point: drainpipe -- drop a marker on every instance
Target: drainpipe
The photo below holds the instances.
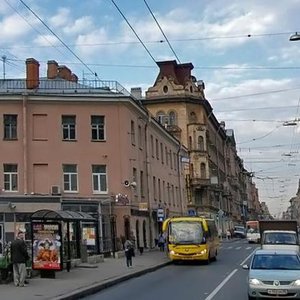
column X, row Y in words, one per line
column 179, row 166
column 25, row 150
column 148, row 181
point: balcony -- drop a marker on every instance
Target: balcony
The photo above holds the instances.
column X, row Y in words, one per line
column 196, row 181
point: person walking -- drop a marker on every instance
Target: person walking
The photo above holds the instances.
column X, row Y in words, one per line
column 161, row 242
column 129, row 252
column 19, row 257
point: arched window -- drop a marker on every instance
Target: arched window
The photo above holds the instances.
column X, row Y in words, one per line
column 190, row 143
column 203, row 170
column 200, row 143
column 172, row 118
column 161, row 117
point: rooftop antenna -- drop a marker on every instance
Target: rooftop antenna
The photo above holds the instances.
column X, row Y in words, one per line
column 4, row 61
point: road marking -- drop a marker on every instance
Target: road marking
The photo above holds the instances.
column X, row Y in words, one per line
column 216, row 290
column 238, row 248
column 229, row 247
column 247, row 257
column 248, row 248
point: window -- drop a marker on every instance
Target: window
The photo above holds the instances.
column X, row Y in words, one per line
column 142, row 183
column 132, row 132
column 154, row 188
column 190, row 143
column 203, row 170
column 163, row 197
column 166, row 152
column 10, row 127
column 171, row 162
column 70, row 178
column 140, row 137
column 162, row 153
column 97, row 124
column 134, row 174
column 175, row 160
column 68, row 125
column 99, row 178
column 156, row 148
column 159, row 190
column 200, row 143
column 10, row 177
column 162, row 118
column 168, row 193
column 152, row 145
column 172, row 118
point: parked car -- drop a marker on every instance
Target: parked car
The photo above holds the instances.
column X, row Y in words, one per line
column 239, row 232
column 274, row 273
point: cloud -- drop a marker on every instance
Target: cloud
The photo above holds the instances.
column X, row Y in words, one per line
column 81, row 25
column 62, row 18
column 12, row 28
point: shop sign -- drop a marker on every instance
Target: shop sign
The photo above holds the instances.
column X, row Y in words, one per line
column 46, row 246
column 160, row 215
column 143, row 206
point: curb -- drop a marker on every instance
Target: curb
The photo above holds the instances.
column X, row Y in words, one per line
column 97, row 287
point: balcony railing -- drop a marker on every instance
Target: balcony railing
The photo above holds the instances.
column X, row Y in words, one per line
column 61, row 86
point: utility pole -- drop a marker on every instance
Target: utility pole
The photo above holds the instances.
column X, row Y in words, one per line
column 4, row 62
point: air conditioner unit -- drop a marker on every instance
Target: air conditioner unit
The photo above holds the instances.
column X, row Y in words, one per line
column 55, row 190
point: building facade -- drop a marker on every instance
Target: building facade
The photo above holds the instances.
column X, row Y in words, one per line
column 90, row 147
column 217, row 183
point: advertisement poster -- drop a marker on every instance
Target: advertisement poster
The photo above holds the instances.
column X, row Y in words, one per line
column 46, row 246
column 89, row 235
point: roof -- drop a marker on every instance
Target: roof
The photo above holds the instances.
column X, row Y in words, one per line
column 62, row 86
column 276, row 251
column 61, row 215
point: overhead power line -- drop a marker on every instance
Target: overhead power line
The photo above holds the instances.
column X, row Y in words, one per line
column 133, row 30
column 157, row 23
column 73, row 53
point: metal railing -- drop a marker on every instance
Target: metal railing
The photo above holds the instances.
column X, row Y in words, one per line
column 62, row 86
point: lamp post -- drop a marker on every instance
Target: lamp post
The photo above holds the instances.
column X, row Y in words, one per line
column 295, row 37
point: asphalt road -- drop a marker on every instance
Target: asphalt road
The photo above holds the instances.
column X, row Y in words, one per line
column 220, row 280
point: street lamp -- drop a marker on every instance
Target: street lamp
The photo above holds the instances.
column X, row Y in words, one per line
column 295, row 37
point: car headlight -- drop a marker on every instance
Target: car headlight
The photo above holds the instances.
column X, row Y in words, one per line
column 254, row 281
column 172, row 252
column 297, row 282
column 203, row 251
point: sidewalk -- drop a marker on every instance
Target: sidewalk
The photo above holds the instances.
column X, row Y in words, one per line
column 85, row 280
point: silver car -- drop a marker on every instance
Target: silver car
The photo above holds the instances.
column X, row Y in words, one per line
column 274, row 273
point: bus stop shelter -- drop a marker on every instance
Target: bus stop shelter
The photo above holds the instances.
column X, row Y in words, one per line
column 54, row 232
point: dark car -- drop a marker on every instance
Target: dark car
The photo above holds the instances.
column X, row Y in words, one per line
column 239, row 232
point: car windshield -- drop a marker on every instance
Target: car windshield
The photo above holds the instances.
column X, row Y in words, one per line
column 185, row 232
column 239, row 228
column 280, row 238
column 276, row 262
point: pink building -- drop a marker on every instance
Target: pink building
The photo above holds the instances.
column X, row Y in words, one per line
column 85, row 146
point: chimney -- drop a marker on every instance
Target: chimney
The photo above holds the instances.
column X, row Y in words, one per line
column 74, row 77
column 52, row 70
column 167, row 69
column 64, row 73
column 183, row 72
column 32, row 73
column 136, row 92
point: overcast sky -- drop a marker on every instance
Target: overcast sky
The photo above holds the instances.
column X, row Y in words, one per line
column 240, row 49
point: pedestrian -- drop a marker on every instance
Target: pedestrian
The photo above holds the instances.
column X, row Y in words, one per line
column 129, row 252
column 161, row 242
column 19, row 257
column 228, row 234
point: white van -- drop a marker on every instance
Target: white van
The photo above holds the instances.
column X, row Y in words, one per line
column 280, row 239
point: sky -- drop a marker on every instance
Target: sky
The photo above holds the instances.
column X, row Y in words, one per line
column 240, row 49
